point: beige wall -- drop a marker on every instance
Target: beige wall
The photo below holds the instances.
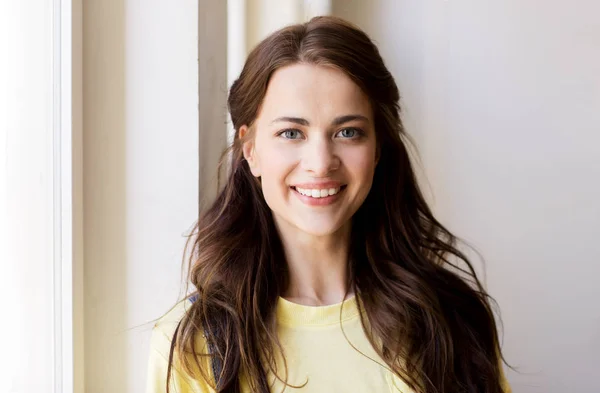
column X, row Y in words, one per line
column 78, row 209
column 503, row 99
column 263, row 17
column 141, row 175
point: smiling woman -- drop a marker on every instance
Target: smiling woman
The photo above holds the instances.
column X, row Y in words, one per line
column 319, row 266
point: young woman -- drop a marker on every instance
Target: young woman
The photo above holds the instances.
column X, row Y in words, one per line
column 319, row 267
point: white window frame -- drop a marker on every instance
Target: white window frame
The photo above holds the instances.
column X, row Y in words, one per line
column 67, row 163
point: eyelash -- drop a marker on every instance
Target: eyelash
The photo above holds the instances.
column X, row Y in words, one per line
column 359, row 133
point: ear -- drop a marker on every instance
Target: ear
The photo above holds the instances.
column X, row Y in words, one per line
column 249, row 151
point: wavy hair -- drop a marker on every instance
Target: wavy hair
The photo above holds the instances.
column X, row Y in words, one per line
column 428, row 315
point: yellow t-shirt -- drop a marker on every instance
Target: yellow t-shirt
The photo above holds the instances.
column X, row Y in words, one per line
column 317, row 349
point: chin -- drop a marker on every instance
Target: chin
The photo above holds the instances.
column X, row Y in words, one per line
column 319, row 229
column 310, row 225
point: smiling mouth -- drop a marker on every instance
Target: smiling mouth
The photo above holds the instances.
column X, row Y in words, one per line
column 318, row 193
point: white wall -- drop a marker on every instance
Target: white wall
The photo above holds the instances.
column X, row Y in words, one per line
column 141, row 142
column 503, row 99
column 27, row 223
column 41, row 197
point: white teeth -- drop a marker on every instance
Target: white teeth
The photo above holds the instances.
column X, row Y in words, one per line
column 318, row 193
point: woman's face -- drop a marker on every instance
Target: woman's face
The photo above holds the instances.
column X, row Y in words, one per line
column 314, row 148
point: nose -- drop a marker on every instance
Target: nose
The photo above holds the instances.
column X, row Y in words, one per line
column 319, row 158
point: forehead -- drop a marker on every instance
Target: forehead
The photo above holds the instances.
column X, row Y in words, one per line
column 316, row 93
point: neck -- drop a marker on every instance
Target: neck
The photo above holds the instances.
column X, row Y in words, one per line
column 317, row 265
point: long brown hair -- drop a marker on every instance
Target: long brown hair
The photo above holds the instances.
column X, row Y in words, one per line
column 428, row 315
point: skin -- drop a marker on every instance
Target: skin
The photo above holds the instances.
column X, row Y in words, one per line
column 315, row 125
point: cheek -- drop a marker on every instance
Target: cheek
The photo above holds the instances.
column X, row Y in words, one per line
column 360, row 163
column 275, row 166
column 277, row 163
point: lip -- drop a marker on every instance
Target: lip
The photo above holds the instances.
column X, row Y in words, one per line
column 325, row 201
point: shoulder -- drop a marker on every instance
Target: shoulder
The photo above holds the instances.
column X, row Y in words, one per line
column 160, row 352
column 164, row 328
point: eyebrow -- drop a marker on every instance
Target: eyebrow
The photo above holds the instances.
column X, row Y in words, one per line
column 336, row 122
